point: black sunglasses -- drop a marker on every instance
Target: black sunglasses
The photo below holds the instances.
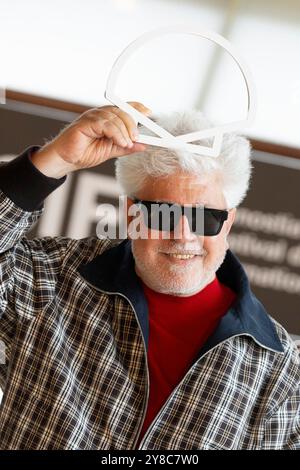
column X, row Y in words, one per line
column 164, row 216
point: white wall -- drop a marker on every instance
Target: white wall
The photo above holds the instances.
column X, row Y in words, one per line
column 65, row 49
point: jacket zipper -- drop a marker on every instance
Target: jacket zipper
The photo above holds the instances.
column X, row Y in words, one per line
column 145, row 354
column 147, row 369
column 193, row 366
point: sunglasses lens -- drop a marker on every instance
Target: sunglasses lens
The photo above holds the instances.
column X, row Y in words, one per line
column 213, row 222
column 204, row 221
column 195, row 216
column 165, row 217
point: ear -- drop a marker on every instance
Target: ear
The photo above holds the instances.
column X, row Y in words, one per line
column 128, row 217
column 230, row 220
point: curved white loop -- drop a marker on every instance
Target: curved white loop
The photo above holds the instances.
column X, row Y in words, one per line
column 166, row 139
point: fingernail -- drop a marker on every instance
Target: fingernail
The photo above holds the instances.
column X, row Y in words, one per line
column 130, row 144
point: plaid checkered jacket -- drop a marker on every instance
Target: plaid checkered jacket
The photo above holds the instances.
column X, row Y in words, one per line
column 75, row 329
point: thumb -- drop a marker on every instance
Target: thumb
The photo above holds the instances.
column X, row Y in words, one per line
column 122, row 152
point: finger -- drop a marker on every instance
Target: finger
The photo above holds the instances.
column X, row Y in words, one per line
column 113, row 132
column 131, row 128
column 129, row 123
column 119, row 152
column 140, row 107
column 120, row 121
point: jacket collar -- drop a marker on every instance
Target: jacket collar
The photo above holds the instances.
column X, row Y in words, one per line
column 113, row 272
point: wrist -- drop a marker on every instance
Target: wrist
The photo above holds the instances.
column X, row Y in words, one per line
column 48, row 162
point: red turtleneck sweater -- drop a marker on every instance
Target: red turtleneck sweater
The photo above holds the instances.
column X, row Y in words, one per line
column 178, row 328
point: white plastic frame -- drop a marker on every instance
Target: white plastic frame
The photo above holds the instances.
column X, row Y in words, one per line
column 165, row 138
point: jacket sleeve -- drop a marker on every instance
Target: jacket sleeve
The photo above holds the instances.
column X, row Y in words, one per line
column 28, row 268
column 282, row 425
column 23, row 190
column 282, row 430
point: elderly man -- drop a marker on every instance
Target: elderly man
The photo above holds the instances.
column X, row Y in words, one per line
column 153, row 342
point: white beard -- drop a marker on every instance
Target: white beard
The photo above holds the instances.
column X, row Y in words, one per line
column 182, row 283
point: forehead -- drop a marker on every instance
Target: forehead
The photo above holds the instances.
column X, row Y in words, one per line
column 184, row 188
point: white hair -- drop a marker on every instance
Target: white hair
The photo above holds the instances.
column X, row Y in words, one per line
column 233, row 163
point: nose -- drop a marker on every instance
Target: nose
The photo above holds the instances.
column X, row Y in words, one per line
column 182, row 230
